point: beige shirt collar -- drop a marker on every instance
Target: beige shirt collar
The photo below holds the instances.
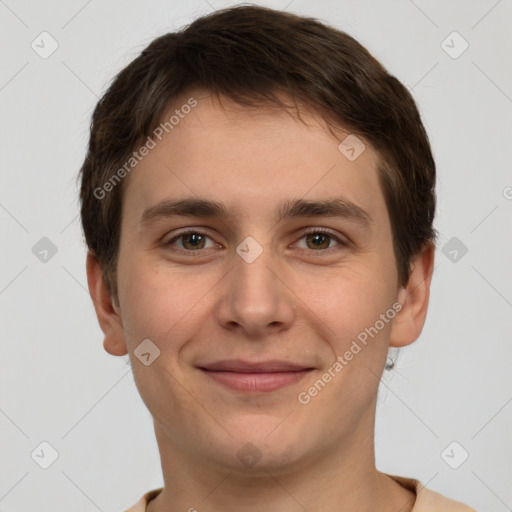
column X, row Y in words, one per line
column 426, row 500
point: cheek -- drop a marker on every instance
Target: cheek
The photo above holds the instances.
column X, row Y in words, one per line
column 352, row 307
column 350, row 303
column 159, row 302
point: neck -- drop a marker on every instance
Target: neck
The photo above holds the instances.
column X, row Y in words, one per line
column 342, row 477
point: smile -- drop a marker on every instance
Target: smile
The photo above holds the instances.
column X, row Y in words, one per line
column 256, row 382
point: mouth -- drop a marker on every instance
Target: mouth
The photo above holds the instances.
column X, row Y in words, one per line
column 255, row 377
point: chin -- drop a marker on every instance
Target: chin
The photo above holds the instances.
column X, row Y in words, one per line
column 260, row 445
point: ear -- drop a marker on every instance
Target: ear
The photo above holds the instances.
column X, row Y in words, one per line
column 108, row 313
column 408, row 323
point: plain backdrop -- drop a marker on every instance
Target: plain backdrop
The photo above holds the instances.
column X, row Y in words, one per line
column 58, row 385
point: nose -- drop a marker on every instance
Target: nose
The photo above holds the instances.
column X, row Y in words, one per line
column 255, row 299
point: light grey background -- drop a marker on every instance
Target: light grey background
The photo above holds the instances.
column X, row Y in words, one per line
column 58, row 385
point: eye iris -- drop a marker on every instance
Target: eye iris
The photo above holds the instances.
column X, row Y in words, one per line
column 193, row 238
column 319, row 240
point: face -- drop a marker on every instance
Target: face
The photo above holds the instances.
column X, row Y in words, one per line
column 272, row 273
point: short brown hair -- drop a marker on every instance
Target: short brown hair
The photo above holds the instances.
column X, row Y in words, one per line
column 250, row 54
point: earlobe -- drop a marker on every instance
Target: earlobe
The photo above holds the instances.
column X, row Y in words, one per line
column 414, row 297
column 107, row 312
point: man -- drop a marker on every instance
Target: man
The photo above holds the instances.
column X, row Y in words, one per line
column 258, row 202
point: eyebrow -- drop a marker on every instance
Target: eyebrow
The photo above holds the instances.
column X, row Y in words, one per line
column 204, row 208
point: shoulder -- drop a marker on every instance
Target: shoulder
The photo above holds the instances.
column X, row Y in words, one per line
column 140, row 506
column 428, row 500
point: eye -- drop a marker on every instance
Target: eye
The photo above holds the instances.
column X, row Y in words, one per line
column 317, row 239
column 320, row 239
column 191, row 241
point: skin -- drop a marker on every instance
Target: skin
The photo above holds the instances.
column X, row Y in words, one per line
column 295, row 301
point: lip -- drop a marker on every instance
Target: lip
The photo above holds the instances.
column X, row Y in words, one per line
column 240, row 366
column 256, row 382
column 259, row 377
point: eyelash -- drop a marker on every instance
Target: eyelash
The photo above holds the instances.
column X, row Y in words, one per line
column 341, row 243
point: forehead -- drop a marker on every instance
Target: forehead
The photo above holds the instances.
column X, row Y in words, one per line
column 251, row 159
